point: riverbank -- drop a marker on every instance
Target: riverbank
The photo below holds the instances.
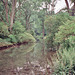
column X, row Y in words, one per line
column 12, row 45
column 26, row 59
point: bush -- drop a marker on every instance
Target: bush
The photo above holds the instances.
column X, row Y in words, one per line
column 12, row 38
column 66, row 62
column 18, row 34
column 49, row 41
column 3, row 29
column 3, row 42
column 25, row 37
column 52, row 24
column 18, row 28
column 66, row 38
column 66, row 34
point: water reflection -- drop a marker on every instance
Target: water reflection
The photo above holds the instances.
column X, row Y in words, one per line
column 18, row 56
column 15, row 56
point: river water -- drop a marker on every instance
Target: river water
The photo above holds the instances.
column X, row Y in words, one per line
column 17, row 57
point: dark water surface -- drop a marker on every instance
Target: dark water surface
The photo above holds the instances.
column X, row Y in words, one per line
column 13, row 58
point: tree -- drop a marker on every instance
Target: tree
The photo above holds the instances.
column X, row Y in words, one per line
column 67, row 4
column 72, row 9
column 5, row 2
column 51, row 25
column 12, row 14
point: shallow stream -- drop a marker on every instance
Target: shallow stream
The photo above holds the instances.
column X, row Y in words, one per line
column 17, row 57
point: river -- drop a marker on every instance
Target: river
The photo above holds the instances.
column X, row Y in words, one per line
column 13, row 61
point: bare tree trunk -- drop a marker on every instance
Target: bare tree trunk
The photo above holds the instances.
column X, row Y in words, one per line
column 67, row 4
column 6, row 9
column 26, row 24
column 27, row 21
column 73, row 10
column 19, row 4
column 12, row 14
column 72, row 13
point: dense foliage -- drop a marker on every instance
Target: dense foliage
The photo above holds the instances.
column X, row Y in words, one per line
column 66, row 39
column 60, row 30
column 66, row 34
column 28, row 21
column 51, row 24
column 66, row 62
column 18, row 34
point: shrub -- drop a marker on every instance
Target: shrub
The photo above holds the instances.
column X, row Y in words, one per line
column 66, row 62
column 66, row 38
column 25, row 37
column 18, row 34
column 18, row 28
column 12, row 38
column 3, row 42
column 52, row 24
column 49, row 41
column 3, row 29
column 66, row 34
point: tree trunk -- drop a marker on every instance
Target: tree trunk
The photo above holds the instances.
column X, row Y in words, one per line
column 12, row 14
column 72, row 13
column 73, row 10
column 6, row 9
column 67, row 4
column 27, row 18
column 26, row 24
